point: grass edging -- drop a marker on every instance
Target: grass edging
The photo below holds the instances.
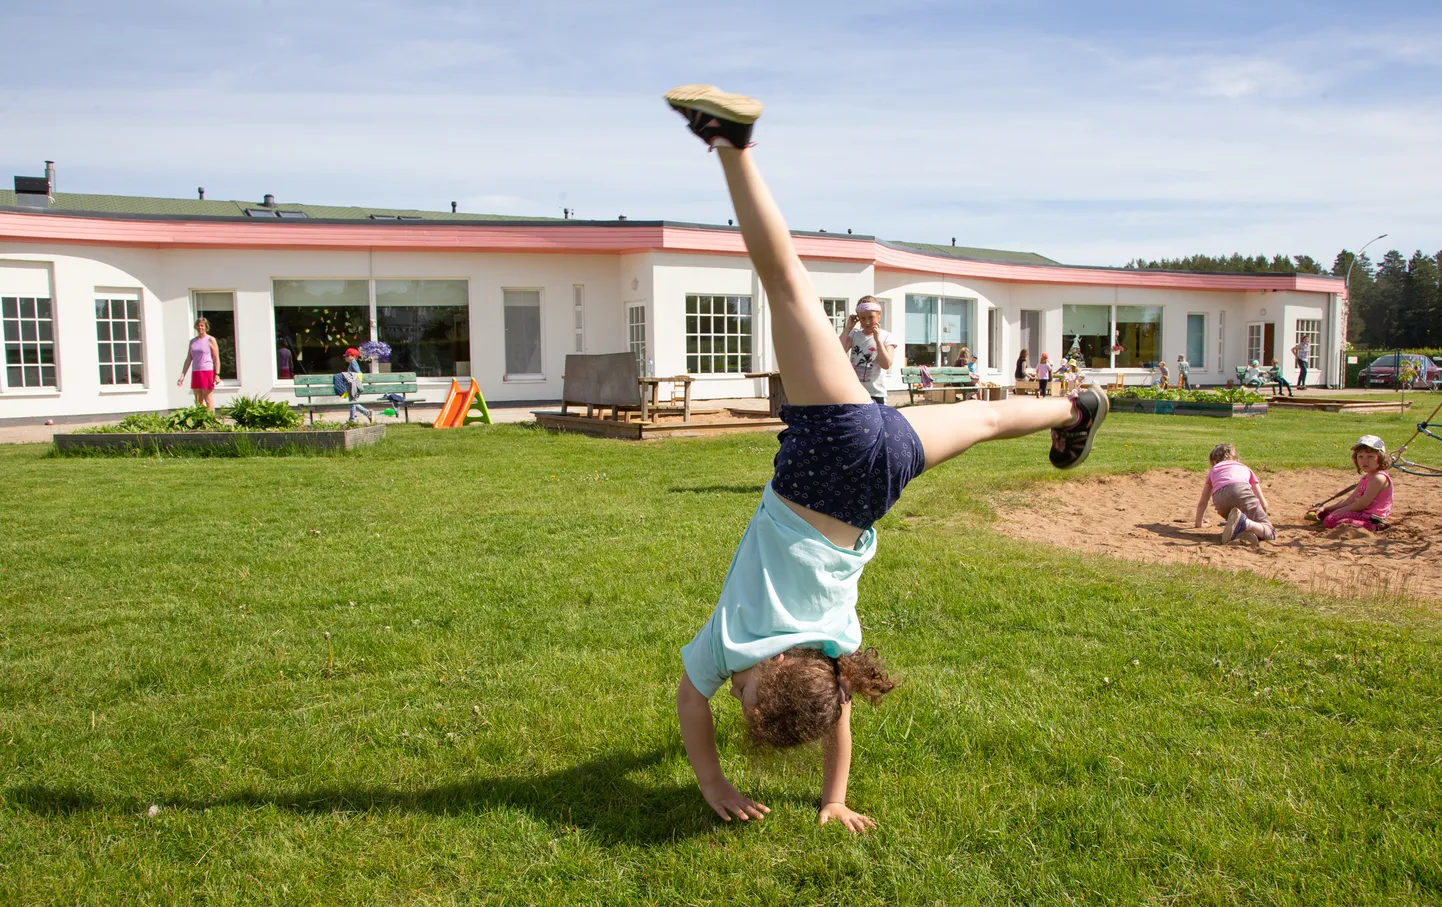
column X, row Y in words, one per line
column 230, row 441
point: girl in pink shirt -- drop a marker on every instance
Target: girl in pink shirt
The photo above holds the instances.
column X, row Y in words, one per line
column 1233, row 489
column 1371, row 501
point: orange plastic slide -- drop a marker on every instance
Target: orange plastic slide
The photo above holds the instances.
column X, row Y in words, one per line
column 458, row 404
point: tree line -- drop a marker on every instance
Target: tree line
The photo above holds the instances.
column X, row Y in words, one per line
column 1395, row 303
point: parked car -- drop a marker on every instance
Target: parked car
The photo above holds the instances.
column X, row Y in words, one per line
column 1382, row 372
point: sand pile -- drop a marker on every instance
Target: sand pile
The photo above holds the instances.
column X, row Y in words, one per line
column 1149, row 517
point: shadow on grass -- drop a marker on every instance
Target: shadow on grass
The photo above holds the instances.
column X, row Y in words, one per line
column 716, row 489
column 599, row 797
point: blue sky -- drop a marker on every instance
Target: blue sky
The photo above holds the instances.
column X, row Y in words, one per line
column 1089, row 133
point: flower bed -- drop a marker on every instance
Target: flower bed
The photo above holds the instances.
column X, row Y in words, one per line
column 323, row 437
column 1217, row 403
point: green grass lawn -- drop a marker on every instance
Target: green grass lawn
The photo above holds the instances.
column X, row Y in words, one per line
column 492, row 717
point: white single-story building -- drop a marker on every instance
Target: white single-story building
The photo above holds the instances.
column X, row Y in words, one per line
column 98, row 295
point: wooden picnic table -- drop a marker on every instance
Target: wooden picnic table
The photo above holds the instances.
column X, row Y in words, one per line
column 651, row 392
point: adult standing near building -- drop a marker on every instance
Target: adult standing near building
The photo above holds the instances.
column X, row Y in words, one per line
column 201, row 360
column 1303, row 352
column 1021, row 366
column 871, row 348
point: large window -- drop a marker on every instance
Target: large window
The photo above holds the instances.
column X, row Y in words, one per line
column 1139, row 334
column 219, row 310
column 117, row 333
column 522, row 310
column 427, row 324
column 29, row 331
column 835, row 310
column 1197, row 340
column 1087, row 334
column 636, row 336
column 937, row 327
column 718, row 334
column 316, row 320
column 1309, row 330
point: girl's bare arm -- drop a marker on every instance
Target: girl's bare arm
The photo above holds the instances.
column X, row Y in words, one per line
column 698, row 734
column 835, row 772
column 1205, row 500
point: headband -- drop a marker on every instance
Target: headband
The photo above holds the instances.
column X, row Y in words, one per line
column 868, row 307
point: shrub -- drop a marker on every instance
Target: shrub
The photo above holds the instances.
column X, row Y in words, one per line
column 196, row 418
column 1177, row 395
column 259, row 414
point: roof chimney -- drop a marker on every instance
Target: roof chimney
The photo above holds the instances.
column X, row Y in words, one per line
column 953, row 240
column 50, row 175
column 268, row 201
column 453, row 207
column 200, row 190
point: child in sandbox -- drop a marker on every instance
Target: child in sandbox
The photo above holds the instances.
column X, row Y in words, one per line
column 785, row 630
column 1370, row 503
column 1233, row 489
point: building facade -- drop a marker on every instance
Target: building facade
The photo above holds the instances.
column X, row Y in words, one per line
column 98, row 295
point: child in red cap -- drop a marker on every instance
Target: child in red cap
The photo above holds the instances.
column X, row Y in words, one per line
column 353, row 385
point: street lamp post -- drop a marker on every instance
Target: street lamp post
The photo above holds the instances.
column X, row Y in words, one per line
column 1347, row 291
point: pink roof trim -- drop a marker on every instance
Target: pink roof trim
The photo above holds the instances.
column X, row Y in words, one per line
column 582, row 239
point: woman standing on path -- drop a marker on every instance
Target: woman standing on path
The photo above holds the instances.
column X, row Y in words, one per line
column 201, row 360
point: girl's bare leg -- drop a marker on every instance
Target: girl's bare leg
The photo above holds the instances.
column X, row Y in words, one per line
column 814, row 368
column 950, row 428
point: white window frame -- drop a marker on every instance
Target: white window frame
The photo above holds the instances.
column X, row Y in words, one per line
column 54, row 341
column 1313, row 335
column 994, row 323
column 1186, row 343
column 636, row 335
column 1254, row 345
column 750, row 356
column 836, row 309
column 112, row 295
column 540, row 338
column 578, row 304
column 196, row 314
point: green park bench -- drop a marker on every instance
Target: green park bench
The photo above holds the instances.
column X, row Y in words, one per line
column 318, row 390
column 942, row 377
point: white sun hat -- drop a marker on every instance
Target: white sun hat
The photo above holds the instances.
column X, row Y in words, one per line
column 1371, row 441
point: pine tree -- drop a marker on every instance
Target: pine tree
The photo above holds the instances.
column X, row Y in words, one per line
column 1360, row 288
column 1422, row 301
column 1388, row 303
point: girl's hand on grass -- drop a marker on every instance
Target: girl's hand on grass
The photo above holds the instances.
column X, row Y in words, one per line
column 727, row 801
column 855, row 822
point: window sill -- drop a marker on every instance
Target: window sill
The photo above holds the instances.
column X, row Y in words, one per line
column 30, row 392
column 524, row 379
column 122, row 391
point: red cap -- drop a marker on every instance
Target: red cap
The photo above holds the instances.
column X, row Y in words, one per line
column 352, row 351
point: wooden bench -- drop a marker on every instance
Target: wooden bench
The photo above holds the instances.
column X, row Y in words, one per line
column 947, row 383
column 313, row 388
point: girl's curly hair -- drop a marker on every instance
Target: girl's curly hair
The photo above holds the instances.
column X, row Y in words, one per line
column 800, row 699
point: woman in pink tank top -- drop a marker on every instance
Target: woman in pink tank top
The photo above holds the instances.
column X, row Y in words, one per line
column 1371, row 503
column 201, row 360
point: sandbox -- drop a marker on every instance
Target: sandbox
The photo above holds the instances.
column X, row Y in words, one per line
column 1149, row 517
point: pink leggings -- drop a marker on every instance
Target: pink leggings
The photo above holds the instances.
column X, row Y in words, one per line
column 1333, row 520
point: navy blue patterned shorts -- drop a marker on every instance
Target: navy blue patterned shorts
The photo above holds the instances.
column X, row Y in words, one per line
column 846, row 460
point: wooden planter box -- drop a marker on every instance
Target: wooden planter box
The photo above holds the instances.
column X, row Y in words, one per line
column 344, row 439
column 1173, row 408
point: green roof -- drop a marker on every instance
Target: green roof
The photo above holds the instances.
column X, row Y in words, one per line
column 971, row 252
column 195, row 207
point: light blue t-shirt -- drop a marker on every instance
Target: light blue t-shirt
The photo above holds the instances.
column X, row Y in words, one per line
column 788, row 586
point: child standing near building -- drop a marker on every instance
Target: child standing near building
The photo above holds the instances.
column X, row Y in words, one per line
column 1043, row 375
column 785, row 630
column 871, row 349
column 353, row 378
column 1183, row 367
column 1233, row 489
column 1164, row 379
column 1370, row 503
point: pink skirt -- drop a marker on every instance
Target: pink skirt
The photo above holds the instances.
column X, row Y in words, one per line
column 202, row 381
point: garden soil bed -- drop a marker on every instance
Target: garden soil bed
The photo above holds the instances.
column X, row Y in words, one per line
column 341, row 439
column 1148, row 517
column 1177, row 408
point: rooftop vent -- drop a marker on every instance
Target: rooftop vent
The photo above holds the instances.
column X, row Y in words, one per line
column 268, row 201
column 200, row 190
column 32, row 191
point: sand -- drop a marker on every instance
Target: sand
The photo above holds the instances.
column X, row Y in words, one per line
column 1149, row 517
